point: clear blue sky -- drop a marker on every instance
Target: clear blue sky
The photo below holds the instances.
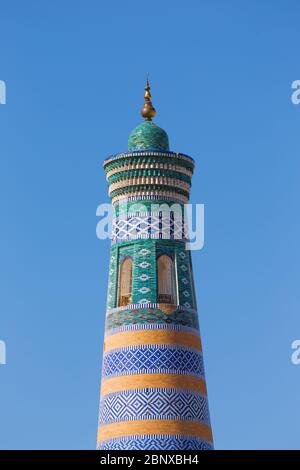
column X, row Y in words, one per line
column 221, row 73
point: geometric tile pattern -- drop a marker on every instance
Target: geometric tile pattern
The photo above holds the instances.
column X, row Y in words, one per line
column 157, row 225
column 152, row 358
column 135, row 315
column 152, row 326
column 185, row 279
column 153, row 403
column 144, row 265
column 144, row 301
column 144, row 252
column 112, row 279
column 145, row 384
column 144, row 277
column 156, row 442
column 149, row 174
column 144, row 289
column 149, row 156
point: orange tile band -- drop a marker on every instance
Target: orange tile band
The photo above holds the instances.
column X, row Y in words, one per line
column 139, row 337
column 128, row 428
column 131, row 382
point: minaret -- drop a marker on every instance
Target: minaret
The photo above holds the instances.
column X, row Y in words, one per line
column 153, row 391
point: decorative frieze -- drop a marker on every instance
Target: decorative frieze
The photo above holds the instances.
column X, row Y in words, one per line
column 153, row 225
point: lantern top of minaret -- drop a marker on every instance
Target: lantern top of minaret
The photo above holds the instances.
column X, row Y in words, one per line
column 148, row 136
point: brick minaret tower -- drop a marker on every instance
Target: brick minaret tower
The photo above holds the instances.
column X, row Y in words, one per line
column 153, row 392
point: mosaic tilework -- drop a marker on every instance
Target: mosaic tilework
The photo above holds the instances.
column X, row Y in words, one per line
column 144, row 254
column 148, row 135
column 134, row 172
column 185, row 278
column 159, row 181
column 133, row 206
column 147, row 156
column 112, row 279
column 158, row 387
column 153, row 403
column 155, row 225
column 152, row 326
column 144, row 272
column 156, row 442
column 134, row 169
column 150, row 194
column 148, row 198
column 144, row 283
column 153, row 359
column 181, row 316
column 145, row 184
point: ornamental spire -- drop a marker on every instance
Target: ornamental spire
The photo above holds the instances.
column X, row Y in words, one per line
column 148, row 111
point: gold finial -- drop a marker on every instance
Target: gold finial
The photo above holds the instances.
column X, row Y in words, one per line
column 148, row 111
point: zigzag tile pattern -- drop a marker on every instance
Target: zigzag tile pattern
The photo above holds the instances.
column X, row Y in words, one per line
column 153, row 358
column 153, row 403
column 156, row 442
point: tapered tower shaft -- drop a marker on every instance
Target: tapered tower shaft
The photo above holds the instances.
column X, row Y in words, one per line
column 153, row 391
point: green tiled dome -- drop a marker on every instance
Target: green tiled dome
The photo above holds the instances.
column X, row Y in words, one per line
column 148, row 136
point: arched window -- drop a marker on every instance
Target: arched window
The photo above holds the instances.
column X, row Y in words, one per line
column 166, row 280
column 125, row 290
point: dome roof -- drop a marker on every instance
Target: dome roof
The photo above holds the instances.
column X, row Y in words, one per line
column 148, row 136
